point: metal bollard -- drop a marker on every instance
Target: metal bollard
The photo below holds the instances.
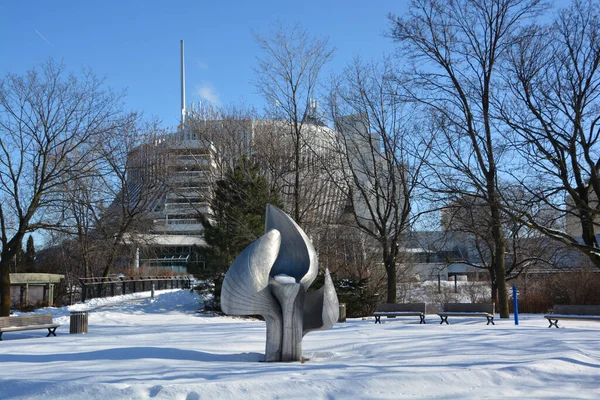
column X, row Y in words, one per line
column 516, row 304
column 342, row 317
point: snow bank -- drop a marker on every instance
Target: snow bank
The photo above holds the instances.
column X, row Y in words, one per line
column 141, row 348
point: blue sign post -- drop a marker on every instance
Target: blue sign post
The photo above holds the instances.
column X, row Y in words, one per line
column 516, row 304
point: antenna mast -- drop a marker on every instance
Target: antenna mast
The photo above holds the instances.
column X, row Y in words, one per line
column 182, row 88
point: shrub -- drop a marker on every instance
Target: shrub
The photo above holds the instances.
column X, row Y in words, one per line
column 360, row 297
column 540, row 293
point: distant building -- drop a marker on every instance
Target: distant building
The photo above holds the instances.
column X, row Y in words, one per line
column 180, row 169
column 362, row 147
column 432, row 255
column 33, row 288
column 573, row 219
column 271, row 142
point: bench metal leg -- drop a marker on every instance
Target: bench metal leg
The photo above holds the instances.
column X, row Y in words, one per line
column 490, row 319
column 1, row 335
column 51, row 331
column 378, row 319
column 422, row 319
column 555, row 323
column 444, row 319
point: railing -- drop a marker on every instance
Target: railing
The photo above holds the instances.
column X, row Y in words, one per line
column 108, row 287
column 177, row 221
column 198, row 205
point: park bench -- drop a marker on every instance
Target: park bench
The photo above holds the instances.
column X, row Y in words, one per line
column 400, row 310
column 467, row 310
column 28, row 322
column 581, row 313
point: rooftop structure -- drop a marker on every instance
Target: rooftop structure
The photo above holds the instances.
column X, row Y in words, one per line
column 32, row 288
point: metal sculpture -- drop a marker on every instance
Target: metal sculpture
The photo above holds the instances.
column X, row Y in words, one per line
column 271, row 277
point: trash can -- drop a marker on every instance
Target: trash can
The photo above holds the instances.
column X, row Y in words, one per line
column 79, row 322
column 342, row 317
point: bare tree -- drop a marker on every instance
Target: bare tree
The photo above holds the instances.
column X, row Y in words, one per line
column 287, row 75
column 320, row 199
column 236, row 134
column 380, row 155
column 554, row 83
column 49, row 120
column 133, row 170
column 229, row 129
column 456, row 49
column 81, row 205
column 60, row 257
column 353, row 259
column 469, row 220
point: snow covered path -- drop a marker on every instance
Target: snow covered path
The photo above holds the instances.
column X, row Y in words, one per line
column 163, row 349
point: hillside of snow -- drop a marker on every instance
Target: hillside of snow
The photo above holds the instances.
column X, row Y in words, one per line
column 141, row 348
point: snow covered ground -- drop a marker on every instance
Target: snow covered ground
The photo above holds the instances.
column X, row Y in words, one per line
column 163, row 349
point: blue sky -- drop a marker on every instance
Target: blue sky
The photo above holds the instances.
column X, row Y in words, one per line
column 135, row 44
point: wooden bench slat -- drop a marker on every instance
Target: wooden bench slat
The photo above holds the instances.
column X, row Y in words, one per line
column 465, row 314
column 573, row 312
column 575, row 309
column 24, row 320
column 573, row 316
column 400, row 310
column 27, row 328
column 467, row 310
column 28, row 322
column 469, row 307
column 408, row 313
column 392, row 307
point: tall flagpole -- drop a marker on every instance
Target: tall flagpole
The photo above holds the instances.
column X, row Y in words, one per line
column 182, row 88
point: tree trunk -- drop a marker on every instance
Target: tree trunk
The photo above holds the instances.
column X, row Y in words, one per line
column 109, row 264
column 594, row 258
column 588, row 235
column 112, row 254
column 390, row 268
column 502, row 294
column 4, row 287
column 499, row 262
column 297, row 156
column 9, row 252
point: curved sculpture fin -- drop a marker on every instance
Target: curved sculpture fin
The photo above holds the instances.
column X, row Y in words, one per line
column 291, row 299
column 297, row 257
column 321, row 307
column 245, row 286
column 270, row 278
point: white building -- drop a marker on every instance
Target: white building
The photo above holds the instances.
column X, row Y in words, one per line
column 180, row 168
column 271, row 143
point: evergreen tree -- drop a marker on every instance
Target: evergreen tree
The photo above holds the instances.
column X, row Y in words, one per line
column 19, row 261
column 30, row 255
column 238, row 216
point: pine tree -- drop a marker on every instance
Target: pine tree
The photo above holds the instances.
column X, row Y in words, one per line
column 30, row 255
column 19, row 261
column 239, row 207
